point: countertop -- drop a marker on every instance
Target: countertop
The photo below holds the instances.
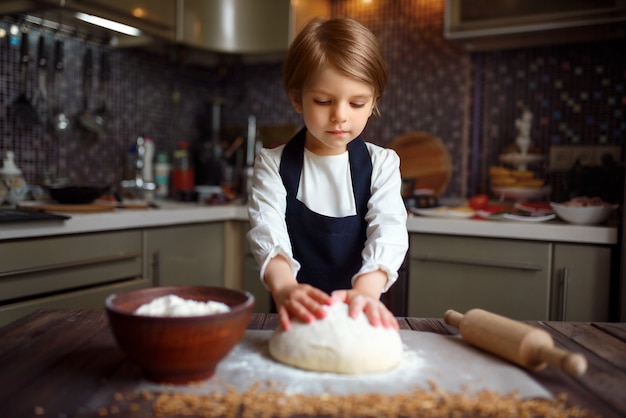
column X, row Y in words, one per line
column 175, row 213
column 66, row 363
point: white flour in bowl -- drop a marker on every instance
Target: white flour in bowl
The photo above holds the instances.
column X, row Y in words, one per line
column 172, row 305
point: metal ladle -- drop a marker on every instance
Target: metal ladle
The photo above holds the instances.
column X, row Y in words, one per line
column 86, row 118
column 59, row 120
column 102, row 112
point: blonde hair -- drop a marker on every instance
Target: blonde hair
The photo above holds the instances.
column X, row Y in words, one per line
column 343, row 43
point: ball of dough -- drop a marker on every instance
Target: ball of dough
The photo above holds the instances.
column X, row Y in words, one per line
column 337, row 344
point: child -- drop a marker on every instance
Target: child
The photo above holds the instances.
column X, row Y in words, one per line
column 328, row 221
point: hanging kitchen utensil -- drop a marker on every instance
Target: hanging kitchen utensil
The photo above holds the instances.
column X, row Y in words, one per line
column 22, row 108
column 42, row 70
column 105, row 71
column 59, row 120
column 86, row 118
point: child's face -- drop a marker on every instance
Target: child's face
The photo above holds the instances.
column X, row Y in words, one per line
column 335, row 110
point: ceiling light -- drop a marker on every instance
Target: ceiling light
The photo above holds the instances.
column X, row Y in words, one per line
column 109, row 24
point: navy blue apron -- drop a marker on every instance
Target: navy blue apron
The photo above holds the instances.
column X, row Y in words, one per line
column 328, row 248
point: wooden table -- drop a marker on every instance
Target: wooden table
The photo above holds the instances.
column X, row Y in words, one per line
column 65, row 363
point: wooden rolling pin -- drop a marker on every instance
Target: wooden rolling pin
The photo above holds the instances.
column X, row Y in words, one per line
column 515, row 341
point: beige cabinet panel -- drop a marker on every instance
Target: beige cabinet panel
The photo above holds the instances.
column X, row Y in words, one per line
column 581, row 282
column 252, row 283
column 508, row 277
column 91, row 298
column 190, row 254
column 250, row 280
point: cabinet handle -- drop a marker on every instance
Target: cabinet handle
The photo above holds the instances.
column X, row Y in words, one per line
column 470, row 262
column 564, row 282
column 71, row 264
column 156, row 268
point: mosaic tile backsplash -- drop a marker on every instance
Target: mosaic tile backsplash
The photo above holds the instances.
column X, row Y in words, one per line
column 470, row 101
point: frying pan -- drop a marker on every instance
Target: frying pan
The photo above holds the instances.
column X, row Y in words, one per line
column 76, row 194
column 21, row 107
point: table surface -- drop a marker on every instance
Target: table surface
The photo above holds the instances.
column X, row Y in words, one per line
column 65, row 363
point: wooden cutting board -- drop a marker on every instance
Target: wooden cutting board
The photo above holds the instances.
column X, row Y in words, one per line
column 425, row 159
column 57, row 207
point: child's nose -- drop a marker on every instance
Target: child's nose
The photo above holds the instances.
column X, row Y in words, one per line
column 338, row 113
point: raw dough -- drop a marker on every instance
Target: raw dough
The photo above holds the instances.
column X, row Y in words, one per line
column 337, row 344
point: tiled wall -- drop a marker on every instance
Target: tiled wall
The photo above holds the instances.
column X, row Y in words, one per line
column 576, row 93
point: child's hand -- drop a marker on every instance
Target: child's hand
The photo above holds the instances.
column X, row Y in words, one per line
column 376, row 311
column 300, row 301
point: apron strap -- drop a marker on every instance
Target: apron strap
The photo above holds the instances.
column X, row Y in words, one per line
column 291, row 163
column 361, row 172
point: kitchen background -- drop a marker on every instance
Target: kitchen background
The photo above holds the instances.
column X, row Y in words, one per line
column 576, row 93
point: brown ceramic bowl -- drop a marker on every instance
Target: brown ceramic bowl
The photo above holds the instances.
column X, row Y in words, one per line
column 178, row 350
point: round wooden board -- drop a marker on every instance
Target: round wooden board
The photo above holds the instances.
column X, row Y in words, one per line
column 424, row 158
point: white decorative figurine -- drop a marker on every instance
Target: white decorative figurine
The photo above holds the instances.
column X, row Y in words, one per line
column 523, row 124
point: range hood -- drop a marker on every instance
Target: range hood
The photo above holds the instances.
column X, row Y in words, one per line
column 482, row 25
column 155, row 21
column 245, row 27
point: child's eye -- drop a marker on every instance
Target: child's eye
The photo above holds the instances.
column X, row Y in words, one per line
column 357, row 104
column 321, row 102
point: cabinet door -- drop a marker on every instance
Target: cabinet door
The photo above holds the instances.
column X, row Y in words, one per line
column 508, row 277
column 250, row 280
column 186, row 255
column 581, row 282
column 252, row 283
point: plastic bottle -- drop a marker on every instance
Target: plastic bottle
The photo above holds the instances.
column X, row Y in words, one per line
column 183, row 175
column 162, row 176
column 148, row 169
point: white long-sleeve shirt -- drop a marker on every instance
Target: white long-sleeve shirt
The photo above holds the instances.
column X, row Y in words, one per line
column 326, row 188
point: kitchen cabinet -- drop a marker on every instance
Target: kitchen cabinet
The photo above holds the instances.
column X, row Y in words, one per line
column 191, row 254
column 156, row 18
column 67, row 271
column 581, row 282
column 160, row 13
column 250, row 280
column 520, row 279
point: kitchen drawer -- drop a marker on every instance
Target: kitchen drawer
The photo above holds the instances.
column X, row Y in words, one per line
column 509, row 277
column 41, row 266
column 92, row 298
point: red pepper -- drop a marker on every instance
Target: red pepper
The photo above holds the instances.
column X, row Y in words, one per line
column 478, row 202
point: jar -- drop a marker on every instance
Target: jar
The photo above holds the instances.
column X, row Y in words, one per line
column 12, row 178
column 183, row 175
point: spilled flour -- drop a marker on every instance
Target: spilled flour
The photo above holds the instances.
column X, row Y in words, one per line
column 427, row 357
